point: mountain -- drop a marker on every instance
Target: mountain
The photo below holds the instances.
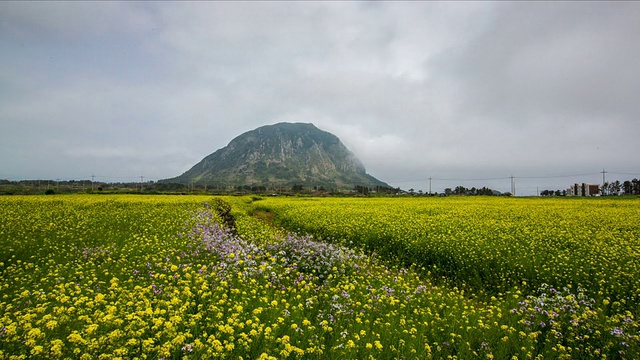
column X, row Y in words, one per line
column 283, row 154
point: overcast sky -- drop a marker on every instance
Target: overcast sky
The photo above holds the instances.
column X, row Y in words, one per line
column 468, row 90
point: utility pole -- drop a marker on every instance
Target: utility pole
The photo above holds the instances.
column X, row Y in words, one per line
column 141, row 181
column 429, row 185
column 92, row 178
column 603, row 181
column 513, row 186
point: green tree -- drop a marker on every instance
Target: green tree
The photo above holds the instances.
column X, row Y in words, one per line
column 614, row 188
column 460, row 190
column 361, row 189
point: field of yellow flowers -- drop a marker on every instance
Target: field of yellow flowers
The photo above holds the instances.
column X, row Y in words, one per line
column 159, row 277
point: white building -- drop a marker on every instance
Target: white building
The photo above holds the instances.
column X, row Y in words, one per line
column 584, row 189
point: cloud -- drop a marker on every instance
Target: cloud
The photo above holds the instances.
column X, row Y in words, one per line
column 561, row 59
column 416, row 90
column 74, row 20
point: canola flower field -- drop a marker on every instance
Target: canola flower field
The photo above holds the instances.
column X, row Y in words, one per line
column 159, row 277
column 491, row 244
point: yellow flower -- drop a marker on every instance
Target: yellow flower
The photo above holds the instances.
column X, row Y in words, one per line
column 91, row 328
column 56, row 347
column 34, row 333
column 37, row 350
column 265, row 356
column 75, row 338
column 51, row 324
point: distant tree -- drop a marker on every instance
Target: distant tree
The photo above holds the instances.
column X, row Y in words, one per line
column 627, row 187
column 297, row 188
column 553, row 193
column 636, row 186
column 386, row 190
column 460, row 190
column 613, row 188
column 448, row 191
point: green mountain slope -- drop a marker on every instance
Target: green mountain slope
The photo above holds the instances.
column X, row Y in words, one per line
column 283, row 154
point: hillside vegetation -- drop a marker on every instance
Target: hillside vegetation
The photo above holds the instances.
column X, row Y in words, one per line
column 284, row 155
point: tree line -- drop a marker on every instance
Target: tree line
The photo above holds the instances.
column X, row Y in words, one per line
column 473, row 191
column 627, row 187
column 34, row 187
column 459, row 190
column 613, row 188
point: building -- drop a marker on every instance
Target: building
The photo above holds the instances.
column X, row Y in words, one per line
column 584, row 189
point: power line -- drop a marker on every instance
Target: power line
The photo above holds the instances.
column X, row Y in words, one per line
column 623, row 173
column 442, row 179
column 509, row 177
column 484, row 179
column 555, row 176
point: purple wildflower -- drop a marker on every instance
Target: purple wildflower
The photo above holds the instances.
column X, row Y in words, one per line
column 617, row 332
